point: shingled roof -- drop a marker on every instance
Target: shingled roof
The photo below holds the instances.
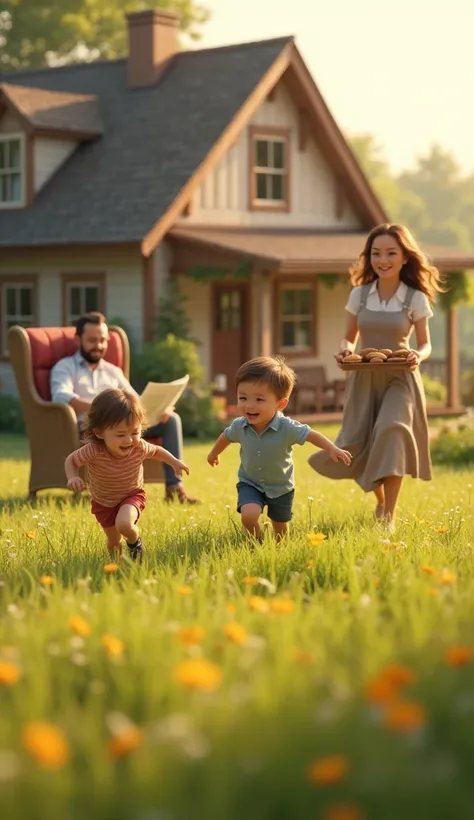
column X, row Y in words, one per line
column 71, row 113
column 154, row 138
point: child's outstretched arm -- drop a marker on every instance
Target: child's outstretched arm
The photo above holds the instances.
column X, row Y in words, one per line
column 325, row 444
column 74, row 480
column 221, row 444
column 160, row 454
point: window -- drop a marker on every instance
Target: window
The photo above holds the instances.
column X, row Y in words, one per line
column 297, row 318
column 269, row 183
column 17, row 305
column 229, row 309
column 11, row 170
column 81, row 294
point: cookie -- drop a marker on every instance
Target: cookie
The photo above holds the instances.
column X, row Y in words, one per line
column 396, row 359
column 367, row 350
column 352, row 357
column 376, row 355
column 401, row 353
column 376, row 360
column 386, row 351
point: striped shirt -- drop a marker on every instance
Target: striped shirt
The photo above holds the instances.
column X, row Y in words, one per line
column 112, row 479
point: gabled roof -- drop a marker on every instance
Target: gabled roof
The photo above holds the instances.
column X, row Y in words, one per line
column 42, row 110
column 159, row 142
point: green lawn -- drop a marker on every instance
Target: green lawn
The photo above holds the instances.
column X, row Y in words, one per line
column 293, row 668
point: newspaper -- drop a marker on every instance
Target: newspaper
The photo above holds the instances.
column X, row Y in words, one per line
column 158, row 397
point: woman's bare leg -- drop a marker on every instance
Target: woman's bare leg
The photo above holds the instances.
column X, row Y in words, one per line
column 380, row 496
column 392, row 486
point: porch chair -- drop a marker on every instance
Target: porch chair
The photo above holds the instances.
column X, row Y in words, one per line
column 314, row 390
column 52, row 427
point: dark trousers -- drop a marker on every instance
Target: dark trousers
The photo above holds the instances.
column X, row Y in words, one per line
column 171, row 434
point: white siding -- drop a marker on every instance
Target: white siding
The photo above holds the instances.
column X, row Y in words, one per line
column 198, row 307
column 9, row 124
column 49, row 156
column 223, row 197
column 163, row 262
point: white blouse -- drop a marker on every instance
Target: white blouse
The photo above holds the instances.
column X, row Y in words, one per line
column 419, row 308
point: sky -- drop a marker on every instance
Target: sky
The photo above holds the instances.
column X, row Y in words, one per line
column 402, row 70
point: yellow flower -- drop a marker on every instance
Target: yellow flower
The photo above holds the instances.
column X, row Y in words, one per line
column 447, row 577
column 79, row 625
column 328, row 770
column 303, row 657
column 184, row 591
column 458, row 655
column 427, row 569
column 190, row 635
column 199, row 674
column 126, row 741
column 31, row 535
column 343, row 811
column 405, row 716
column 113, row 646
column 236, row 633
column 393, row 545
column 282, row 606
column 46, row 580
column 250, row 580
column 310, row 564
column 111, row 568
column 9, row 673
column 47, row 744
column 316, row 538
column 231, row 609
column 258, row 604
column 442, row 529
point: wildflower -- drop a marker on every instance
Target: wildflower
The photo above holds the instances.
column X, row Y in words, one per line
column 113, row 646
column 197, row 673
column 398, row 675
column 447, row 577
column 231, row 609
column 392, row 545
column 316, row 538
column 111, row 568
column 427, row 569
column 442, row 529
column 191, row 635
column 379, row 690
column 405, row 716
column 343, row 811
column 303, row 657
column 236, row 633
column 250, row 580
column 126, row 741
column 184, row 591
column 79, row 625
column 434, row 592
column 31, row 535
column 46, row 580
column 310, row 564
column 458, row 655
column 258, row 604
column 328, row 770
column 9, row 673
column 282, row 606
column 47, row 744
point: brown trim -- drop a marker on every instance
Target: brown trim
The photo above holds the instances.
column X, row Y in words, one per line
column 10, row 105
column 149, row 296
column 266, row 131
column 29, row 171
column 11, row 253
column 227, row 138
column 271, row 94
column 452, row 358
column 22, row 279
column 66, row 133
column 311, row 282
column 82, row 279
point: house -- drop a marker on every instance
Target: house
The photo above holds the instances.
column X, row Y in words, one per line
column 222, row 167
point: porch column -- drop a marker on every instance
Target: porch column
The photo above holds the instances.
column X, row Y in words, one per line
column 148, row 295
column 452, row 358
column 262, row 336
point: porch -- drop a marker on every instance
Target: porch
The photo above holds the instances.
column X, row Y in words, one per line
column 257, row 292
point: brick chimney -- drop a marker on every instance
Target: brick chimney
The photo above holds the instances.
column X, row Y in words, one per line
column 152, row 39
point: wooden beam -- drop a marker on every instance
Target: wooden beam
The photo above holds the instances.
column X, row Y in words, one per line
column 452, row 357
column 149, row 296
column 263, row 306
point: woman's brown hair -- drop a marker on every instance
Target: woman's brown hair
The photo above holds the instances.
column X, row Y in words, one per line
column 110, row 408
column 416, row 272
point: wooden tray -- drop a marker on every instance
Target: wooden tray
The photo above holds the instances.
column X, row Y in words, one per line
column 377, row 366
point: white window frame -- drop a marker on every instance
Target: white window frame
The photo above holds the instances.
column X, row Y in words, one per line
column 297, row 317
column 270, row 171
column 16, row 318
column 21, row 139
column 70, row 318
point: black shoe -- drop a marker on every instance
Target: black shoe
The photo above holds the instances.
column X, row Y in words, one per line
column 136, row 550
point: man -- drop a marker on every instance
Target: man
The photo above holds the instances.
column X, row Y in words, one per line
column 76, row 380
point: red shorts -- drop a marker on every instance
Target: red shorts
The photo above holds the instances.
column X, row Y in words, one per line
column 106, row 515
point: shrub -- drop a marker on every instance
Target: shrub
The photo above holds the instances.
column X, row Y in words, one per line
column 467, row 388
column 455, row 444
column 435, row 390
column 11, row 416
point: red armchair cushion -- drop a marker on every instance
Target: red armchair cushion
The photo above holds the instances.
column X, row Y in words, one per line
column 50, row 344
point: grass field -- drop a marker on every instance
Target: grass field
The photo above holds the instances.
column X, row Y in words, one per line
column 326, row 678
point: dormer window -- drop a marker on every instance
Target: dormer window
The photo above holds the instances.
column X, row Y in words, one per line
column 12, row 171
column 269, row 169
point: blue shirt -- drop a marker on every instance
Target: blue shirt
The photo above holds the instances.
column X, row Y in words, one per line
column 72, row 378
column 266, row 460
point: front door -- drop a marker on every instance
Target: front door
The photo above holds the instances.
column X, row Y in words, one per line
column 230, row 335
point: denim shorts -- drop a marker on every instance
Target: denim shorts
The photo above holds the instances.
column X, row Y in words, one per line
column 279, row 509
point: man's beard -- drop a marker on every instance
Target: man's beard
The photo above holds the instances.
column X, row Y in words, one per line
column 91, row 357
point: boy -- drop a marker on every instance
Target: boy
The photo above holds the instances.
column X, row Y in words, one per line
column 266, row 438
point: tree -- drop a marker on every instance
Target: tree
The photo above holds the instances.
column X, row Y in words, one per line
column 39, row 32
